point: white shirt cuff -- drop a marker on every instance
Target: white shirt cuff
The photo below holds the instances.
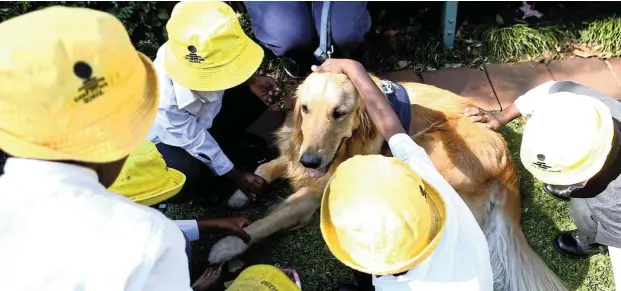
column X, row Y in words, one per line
column 223, row 168
column 189, row 228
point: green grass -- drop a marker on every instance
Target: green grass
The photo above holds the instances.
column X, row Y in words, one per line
column 604, row 36
column 305, row 251
column 523, row 42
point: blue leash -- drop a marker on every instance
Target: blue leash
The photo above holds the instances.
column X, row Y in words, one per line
column 325, row 49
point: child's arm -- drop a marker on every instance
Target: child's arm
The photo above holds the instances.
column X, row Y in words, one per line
column 230, row 226
column 523, row 106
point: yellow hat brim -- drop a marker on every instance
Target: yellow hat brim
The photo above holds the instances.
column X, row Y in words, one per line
column 252, row 277
column 239, row 70
column 591, row 167
column 438, row 211
column 107, row 140
column 176, row 180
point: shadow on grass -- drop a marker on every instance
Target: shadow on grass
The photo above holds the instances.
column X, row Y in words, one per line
column 302, row 250
column 305, row 251
column 543, row 217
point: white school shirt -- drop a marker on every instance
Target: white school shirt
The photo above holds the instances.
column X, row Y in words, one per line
column 61, row 230
column 461, row 259
column 183, row 118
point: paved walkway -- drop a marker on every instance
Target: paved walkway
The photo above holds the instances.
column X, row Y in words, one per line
column 498, row 85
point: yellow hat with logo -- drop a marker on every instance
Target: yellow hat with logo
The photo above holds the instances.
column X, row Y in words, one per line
column 567, row 139
column 379, row 217
column 207, row 49
column 73, row 87
column 262, row 278
column 146, row 179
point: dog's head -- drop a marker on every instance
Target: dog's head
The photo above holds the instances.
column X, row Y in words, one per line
column 328, row 113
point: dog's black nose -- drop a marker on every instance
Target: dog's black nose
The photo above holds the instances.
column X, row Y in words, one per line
column 311, row 161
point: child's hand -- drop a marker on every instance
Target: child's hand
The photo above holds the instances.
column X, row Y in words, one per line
column 483, row 118
column 265, row 88
column 229, row 226
column 249, row 183
column 208, row 279
column 342, row 66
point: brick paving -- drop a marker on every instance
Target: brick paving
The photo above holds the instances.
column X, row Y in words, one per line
column 591, row 72
column 512, row 80
column 466, row 82
column 497, row 86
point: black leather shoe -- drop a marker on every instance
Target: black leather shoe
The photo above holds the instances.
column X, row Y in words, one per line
column 295, row 69
column 347, row 287
column 569, row 244
column 558, row 192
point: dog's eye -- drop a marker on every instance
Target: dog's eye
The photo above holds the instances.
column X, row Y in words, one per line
column 338, row 114
column 304, row 108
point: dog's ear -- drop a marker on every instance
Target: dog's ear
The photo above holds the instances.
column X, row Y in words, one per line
column 366, row 130
column 297, row 118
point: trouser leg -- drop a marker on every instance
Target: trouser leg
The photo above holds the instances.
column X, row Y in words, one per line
column 585, row 225
column 350, row 21
column 284, row 27
column 240, row 108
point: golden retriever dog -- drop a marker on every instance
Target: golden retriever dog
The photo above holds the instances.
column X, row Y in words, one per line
column 330, row 124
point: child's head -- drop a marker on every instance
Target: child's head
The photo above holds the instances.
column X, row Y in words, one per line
column 207, row 49
column 567, row 139
column 379, row 217
column 146, row 179
column 73, row 88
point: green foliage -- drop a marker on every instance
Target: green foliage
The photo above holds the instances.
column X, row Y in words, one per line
column 145, row 21
column 604, row 35
column 522, row 42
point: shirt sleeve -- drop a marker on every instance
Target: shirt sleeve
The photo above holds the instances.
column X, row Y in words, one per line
column 185, row 133
column 170, row 269
column 527, row 103
column 404, row 148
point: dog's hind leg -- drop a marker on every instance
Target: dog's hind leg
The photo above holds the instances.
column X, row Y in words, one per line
column 270, row 171
column 296, row 210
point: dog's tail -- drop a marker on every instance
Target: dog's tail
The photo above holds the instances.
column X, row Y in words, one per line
column 515, row 265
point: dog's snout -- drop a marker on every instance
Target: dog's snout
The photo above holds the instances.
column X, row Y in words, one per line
column 311, row 161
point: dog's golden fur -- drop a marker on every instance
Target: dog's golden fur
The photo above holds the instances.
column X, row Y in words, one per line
column 474, row 160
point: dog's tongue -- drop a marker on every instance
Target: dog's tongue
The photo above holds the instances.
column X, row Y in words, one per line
column 316, row 173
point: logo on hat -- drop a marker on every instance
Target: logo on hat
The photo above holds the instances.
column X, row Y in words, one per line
column 92, row 87
column 542, row 165
column 193, row 57
column 422, row 191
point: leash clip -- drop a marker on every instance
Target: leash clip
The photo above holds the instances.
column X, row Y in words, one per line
column 323, row 56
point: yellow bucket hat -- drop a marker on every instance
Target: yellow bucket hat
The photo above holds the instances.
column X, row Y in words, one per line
column 73, row 87
column 145, row 179
column 379, row 217
column 567, row 139
column 207, row 49
column 262, row 278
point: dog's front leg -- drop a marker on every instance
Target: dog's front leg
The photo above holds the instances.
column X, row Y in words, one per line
column 296, row 210
column 270, row 171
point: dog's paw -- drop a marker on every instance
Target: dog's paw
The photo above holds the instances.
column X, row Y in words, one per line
column 238, row 200
column 226, row 249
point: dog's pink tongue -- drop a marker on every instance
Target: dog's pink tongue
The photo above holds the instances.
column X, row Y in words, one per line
column 316, row 173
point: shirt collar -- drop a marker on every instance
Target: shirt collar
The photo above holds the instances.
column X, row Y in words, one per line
column 186, row 96
column 39, row 169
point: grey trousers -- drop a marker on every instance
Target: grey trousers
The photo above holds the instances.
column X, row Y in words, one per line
column 598, row 219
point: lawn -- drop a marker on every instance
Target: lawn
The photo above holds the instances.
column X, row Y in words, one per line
column 412, row 38
column 405, row 35
column 305, row 251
